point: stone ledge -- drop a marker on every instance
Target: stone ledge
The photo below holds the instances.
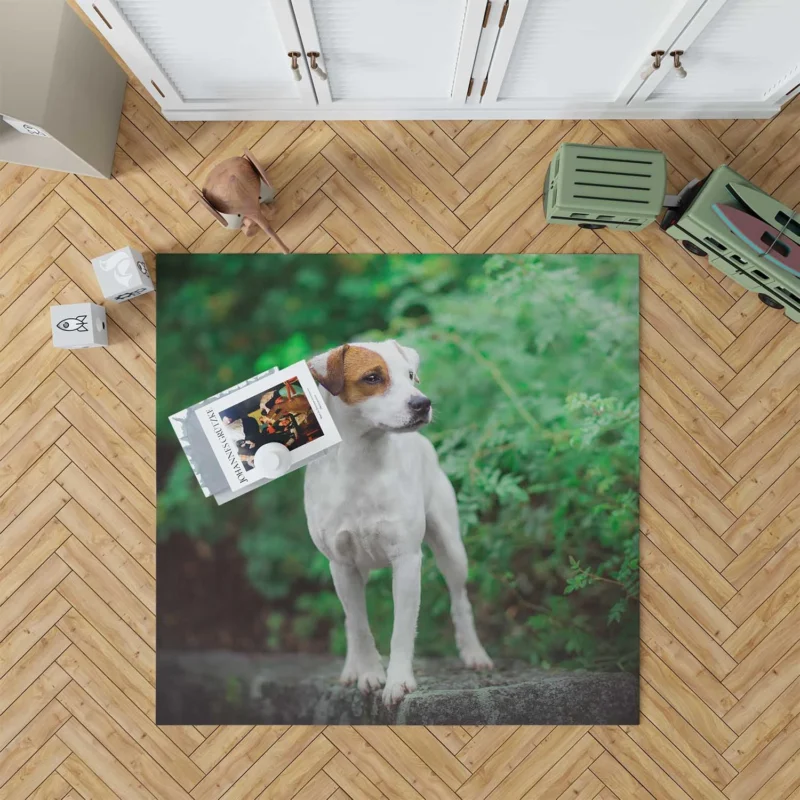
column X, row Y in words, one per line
column 204, row 688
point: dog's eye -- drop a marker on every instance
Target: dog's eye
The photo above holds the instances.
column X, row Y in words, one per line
column 372, row 377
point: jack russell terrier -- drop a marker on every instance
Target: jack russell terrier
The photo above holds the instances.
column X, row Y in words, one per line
column 373, row 502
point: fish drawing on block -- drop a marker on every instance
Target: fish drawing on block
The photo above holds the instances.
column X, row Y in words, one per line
column 761, row 237
column 77, row 324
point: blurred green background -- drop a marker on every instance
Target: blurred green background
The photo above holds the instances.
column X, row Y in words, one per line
column 532, row 366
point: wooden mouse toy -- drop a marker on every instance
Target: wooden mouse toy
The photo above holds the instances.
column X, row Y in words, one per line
column 233, row 188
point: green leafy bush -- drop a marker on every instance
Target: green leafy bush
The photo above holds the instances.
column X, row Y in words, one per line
column 532, row 366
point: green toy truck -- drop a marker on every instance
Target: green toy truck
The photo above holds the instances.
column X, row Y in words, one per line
column 701, row 231
column 605, row 187
column 594, row 187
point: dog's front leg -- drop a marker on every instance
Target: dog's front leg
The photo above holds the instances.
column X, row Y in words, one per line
column 405, row 595
column 363, row 663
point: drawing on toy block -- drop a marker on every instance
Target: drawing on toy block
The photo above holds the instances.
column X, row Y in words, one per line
column 79, row 325
column 122, row 275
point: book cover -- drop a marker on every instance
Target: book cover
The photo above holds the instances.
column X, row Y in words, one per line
column 283, row 407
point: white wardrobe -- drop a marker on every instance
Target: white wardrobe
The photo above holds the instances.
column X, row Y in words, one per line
column 439, row 59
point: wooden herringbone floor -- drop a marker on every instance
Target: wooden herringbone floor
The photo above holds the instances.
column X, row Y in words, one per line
column 720, row 474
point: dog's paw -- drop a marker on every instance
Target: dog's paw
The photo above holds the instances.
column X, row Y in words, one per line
column 476, row 658
column 396, row 690
column 368, row 675
column 349, row 675
column 371, row 679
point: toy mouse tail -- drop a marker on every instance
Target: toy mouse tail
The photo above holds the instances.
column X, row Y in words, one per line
column 267, row 228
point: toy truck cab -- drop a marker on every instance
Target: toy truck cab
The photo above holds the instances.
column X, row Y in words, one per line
column 701, row 231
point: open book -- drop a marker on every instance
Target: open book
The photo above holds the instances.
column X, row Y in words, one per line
column 227, row 437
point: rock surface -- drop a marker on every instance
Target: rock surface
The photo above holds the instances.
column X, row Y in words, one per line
column 204, row 688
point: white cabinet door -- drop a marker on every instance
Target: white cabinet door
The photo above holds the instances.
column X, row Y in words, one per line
column 745, row 51
column 388, row 54
column 207, row 54
column 570, row 54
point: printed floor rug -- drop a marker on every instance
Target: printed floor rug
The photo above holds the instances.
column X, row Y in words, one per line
column 465, row 436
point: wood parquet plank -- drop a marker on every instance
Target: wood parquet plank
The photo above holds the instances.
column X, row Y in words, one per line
column 277, row 758
column 30, row 557
column 766, row 435
column 30, row 267
column 692, row 456
column 692, row 744
column 290, row 160
column 779, row 604
column 77, row 521
column 25, row 538
column 720, row 509
column 681, row 554
column 767, row 397
column 638, row 763
column 236, row 761
column 426, row 168
column 619, row 783
column 54, row 787
column 31, row 629
column 12, row 176
column 437, row 143
column 434, row 754
column 350, row 780
column 777, row 568
column 31, row 738
column 90, row 605
column 503, row 762
column 31, row 593
column 120, row 744
column 398, row 196
column 673, row 581
column 500, row 182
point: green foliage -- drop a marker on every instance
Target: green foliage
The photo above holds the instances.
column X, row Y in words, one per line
column 532, row 366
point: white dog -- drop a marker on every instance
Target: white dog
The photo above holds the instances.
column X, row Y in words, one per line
column 375, row 499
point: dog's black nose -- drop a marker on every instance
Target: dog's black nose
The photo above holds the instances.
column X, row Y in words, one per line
column 419, row 403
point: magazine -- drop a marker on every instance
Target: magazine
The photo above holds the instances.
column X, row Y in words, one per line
column 281, row 408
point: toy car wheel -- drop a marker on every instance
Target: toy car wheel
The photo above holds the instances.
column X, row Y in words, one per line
column 592, row 226
column 769, row 301
column 693, row 248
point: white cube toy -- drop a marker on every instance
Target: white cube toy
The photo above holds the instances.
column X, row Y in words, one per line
column 122, row 275
column 78, row 325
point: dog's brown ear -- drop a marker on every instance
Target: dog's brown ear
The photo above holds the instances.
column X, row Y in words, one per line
column 328, row 369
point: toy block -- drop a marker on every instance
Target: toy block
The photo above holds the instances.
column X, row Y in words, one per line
column 78, row 325
column 122, row 275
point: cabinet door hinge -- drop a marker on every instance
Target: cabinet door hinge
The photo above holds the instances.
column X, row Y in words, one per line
column 469, row 88
column 486, row 13
column 483, row 88
column 503, row 15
